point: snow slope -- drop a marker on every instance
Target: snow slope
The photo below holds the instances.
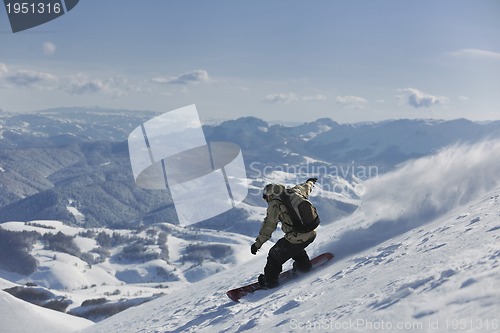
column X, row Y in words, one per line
column 17, row 316
column 421, row 254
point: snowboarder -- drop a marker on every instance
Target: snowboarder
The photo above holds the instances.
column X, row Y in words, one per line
column 293, row 244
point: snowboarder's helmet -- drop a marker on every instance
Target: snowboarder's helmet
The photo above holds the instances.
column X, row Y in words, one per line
column 271, row 190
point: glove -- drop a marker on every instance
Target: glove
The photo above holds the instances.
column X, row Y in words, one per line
column 254, row 249
column 314, row 180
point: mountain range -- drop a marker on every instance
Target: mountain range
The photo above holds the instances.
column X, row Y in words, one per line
column 55, row 161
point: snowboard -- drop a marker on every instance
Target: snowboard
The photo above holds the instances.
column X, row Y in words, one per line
column 236, row 294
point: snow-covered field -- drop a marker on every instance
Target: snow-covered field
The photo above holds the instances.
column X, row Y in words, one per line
column 58, row 270
column 17, row 316
column 119, row 279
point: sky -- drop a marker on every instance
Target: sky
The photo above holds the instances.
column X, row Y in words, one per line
column 286, row 61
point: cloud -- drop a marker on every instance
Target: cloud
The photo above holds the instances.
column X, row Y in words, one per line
column 419, row 99
column 281, row 98
column 26, row 78
column 161, row 80
column 77, row 84
column 48, row 48
column 351, row 102
column 89, row 87
column 81, row 84
column 317, row 97
column 475, row 53
column 196, row 76
column 288, row 97
column 3, row 69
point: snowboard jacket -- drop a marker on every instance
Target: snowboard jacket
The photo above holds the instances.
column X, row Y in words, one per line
column 276, row 211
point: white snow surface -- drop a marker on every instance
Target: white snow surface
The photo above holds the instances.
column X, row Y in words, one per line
column 17, row 316
column 422, row 254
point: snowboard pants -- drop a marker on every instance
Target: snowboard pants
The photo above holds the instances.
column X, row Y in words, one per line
column 281, row 252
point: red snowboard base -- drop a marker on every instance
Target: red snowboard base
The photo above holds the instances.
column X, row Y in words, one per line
column 236, row 294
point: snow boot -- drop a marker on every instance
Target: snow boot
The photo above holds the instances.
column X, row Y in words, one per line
column 264, row 284
column 301, row 267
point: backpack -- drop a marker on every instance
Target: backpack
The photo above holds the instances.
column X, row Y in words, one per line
column 302, row 212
